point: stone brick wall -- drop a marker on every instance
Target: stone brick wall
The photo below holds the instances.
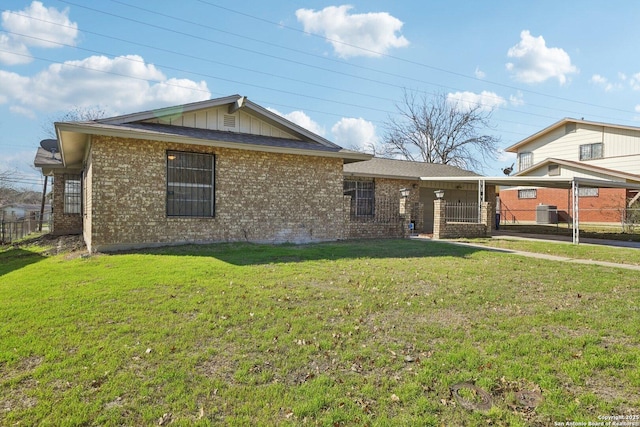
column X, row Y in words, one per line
column 370, row 229
column 388, row 198
column 259, row 197
column 453, row 230
column 63, row 223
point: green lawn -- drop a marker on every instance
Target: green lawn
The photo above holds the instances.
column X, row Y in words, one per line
column 618, row 255
column 348, row 333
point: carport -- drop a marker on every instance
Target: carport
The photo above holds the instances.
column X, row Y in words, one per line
column 573, row 183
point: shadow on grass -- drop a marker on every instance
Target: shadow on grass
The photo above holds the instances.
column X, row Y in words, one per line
column 255, row 254
column 15, row 258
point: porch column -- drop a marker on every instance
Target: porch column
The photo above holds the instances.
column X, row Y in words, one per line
column 439, row 221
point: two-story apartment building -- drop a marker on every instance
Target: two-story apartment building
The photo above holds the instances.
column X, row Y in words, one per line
column 575, row 148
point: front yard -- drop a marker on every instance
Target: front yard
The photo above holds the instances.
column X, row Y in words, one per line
column 383, row 332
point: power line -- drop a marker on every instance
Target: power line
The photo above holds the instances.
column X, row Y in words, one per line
column 331, row 59
column 409, row 61
column 273, row 75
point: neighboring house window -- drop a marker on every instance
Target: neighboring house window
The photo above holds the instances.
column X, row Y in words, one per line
column 587, row 192
column 190, row 184
column 591, row 151
column 554, row 170
column 525, row 160
column 72, row 194
column 362, row 199
column 529, row 193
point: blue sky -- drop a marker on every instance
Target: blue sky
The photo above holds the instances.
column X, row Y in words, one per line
column 335, row 68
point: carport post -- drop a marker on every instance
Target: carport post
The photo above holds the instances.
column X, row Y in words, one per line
column 481, row 190
column 575, row 198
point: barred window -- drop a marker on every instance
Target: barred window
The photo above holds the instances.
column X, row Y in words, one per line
column 525, row 160
column 529, row 193
column 362, row 196
column 587, row 192
column 72, row 194
column 591, row 151
column 190, row 184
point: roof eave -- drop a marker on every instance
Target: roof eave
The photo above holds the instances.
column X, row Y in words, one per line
column 347, row 155
column 169, row 111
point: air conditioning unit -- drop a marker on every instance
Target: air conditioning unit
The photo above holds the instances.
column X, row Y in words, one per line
column 546, row 214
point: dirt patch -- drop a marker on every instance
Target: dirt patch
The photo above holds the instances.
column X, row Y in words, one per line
column 73, row 245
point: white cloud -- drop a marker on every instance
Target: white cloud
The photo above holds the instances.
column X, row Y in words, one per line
column 358, row 134
column 301, row 119
column 122, row 84
column 364, row 34
column 634, row 81
column 517, row 99
column 534, row 62
column 601, row 81
column 35, row 26
column 12, row 52
column 467, row 100
column 480, row 74
column 637, row 108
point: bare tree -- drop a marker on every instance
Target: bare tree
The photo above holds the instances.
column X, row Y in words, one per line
column 439, row 130
column 77, row 114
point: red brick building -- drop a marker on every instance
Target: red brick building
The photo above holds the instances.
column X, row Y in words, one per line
column 575, row 148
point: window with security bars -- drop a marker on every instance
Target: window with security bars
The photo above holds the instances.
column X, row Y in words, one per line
column 591, row 151
column 528, row 193
column 190, row 184
column 362, row 199
column 525, row 160
column 72, row 194
column 587, row 192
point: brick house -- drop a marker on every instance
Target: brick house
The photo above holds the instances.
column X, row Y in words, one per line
column 575, row 148
column 225, row 169
column 372, row 184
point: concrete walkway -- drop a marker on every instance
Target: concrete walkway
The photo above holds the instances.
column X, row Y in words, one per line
column 497, row 234
column 559, row 239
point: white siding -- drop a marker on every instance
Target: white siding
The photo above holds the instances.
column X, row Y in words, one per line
column 219, row 119
column 621, row 147
column 621, row 142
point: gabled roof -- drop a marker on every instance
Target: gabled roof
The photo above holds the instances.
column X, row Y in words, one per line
column 582, row 166
column 235, row 102
column 74, row 137
column 558, row 124
column 402, row 169
column 47, row 161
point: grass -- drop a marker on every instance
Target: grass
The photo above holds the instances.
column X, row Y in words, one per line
column 582, row 251
column 348, row 333
column 610, row 232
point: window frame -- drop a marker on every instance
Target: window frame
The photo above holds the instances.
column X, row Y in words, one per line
column 533, row 193
column 363, row 199
column 584, row 155
column 72, row 194
column 553, row 170
column 525, row 164
column 588, row 192
column 190, row 181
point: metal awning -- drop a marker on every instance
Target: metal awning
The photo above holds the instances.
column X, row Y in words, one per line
column 573, row 183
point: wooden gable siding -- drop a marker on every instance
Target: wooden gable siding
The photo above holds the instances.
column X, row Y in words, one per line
column 569, row 172
column 621, row 146
column 219, row 118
